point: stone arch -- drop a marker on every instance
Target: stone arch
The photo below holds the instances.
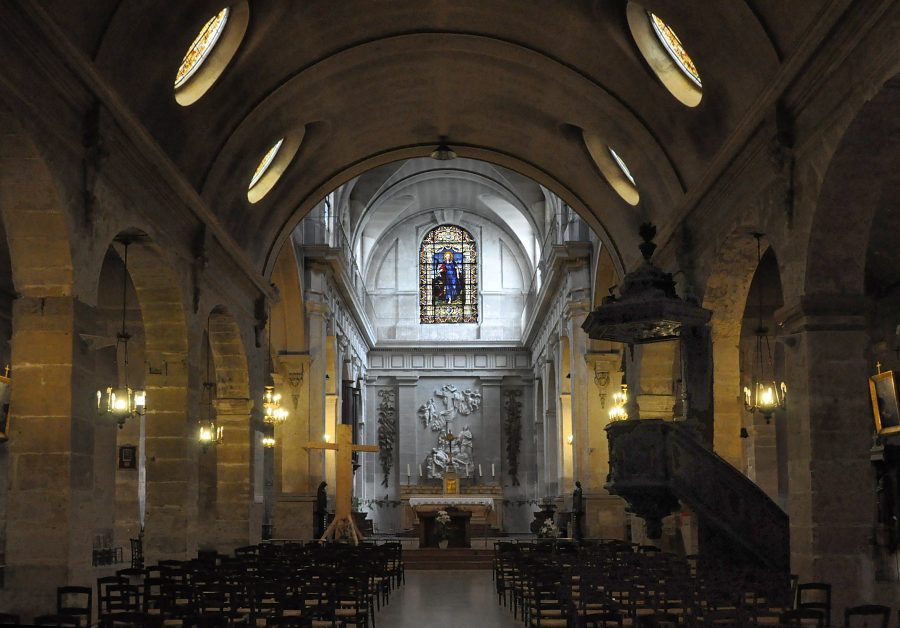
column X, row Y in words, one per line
column 34, row 216
column 170, row 518
column 726, row 295
column 865, row 165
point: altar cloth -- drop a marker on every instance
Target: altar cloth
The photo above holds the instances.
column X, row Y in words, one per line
column 451, row 500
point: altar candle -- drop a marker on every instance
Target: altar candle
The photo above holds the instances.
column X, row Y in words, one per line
column 420, row 470
column 492, row 470
column 479, row 471
column 407, row 469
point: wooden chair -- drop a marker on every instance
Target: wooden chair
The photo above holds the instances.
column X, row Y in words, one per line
column 815, row 596
column 803, row 617
column 9, row 618
column 867, row 616
column 76, row 602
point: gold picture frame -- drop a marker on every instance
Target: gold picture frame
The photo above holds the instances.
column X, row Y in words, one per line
column 883, row 391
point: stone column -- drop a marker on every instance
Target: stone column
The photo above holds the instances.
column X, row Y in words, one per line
column 488, row 449
column 605, row 513
column 407, row 448
column 49, row 528
column 582, row 391
column 233, row 494
column 829, row 417
column 294, row 489
column 538, row 469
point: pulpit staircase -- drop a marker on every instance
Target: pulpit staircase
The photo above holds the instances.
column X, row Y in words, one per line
column 658, row 465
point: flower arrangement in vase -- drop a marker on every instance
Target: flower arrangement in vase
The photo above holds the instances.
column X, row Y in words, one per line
column 548, row 530
column 442, row 528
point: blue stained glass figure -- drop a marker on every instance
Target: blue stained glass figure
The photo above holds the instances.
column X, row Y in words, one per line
column 449, row 282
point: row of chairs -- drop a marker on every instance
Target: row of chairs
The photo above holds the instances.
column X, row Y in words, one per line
column 278, row 585
column 614, row 583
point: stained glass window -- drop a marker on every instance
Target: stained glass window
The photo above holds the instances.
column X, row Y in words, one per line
column 675, row 48
column 203, row 44
column 266, row 162
column 448, row 276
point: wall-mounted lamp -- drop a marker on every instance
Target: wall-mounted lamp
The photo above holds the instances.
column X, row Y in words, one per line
column 570, row 438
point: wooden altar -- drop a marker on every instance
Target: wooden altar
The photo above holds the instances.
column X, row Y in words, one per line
column 460, row 535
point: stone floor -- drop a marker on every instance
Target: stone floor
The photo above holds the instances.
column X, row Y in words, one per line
column 445, row 599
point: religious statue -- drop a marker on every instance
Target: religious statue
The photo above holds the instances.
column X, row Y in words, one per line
column 321, row 513
column 577, row 512
column 448, row 281
column 463, row 455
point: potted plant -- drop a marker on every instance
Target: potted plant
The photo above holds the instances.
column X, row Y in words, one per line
column 359, row 515
column 442, row 528
column 548, row 530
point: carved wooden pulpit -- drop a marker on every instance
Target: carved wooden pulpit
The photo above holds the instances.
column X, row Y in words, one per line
column 343, row 450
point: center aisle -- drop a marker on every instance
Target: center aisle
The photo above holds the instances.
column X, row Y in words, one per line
column 446, row 599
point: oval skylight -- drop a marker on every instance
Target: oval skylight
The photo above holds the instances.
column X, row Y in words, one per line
column 675, row 48
column 612, row 167
column 665, row 54
column 204, row 42
column 265, row 163
column 210, row 52
column 273, row 164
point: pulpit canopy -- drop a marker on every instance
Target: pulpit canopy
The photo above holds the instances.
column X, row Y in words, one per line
column 648, row 308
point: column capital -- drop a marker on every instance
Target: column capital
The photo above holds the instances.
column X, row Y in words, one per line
column 825, row 312
column 407, row 380
column 491, row 380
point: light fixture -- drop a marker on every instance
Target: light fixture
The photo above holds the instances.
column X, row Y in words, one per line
column 570, row 438
column 619, row 399
column 268, row 441
column 443, row 152
column 326, row 438
column 122, row 402
column 209, row 433
column 764, row 395
column 273, row 413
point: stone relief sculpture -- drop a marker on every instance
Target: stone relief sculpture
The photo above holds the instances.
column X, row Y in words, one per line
column 513, row 428
column 387, row 433
column 455, row 402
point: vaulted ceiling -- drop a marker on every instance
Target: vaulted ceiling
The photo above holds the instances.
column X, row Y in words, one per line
column 509, row 82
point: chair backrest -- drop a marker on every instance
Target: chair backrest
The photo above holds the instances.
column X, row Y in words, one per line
column 867, row 616
column 803, row 617
column 56, row 620
column 9, row 618
column 75, row 601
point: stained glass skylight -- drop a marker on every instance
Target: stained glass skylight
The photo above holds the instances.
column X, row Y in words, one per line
column 266, row 162
column 201, row 47
column 621, row 165
column 448, row 276
column 675, row 48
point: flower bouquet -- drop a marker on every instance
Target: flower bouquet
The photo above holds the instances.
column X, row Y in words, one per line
column 548, row 530
column 442, row 528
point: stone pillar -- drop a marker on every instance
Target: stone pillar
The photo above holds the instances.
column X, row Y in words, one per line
column 233, row 494
column 294, row 487
column 49, row 529
column 582, row 390
column 829, row 416
column 538, row 468
column 407, row 446
column 487, row 450
column 170, row 530
column 605, row 513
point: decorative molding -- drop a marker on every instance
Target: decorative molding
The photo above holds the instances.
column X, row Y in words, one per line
column 387, row 432
column 513, row 428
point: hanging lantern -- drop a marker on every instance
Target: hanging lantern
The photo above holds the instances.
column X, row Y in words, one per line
column 209, row 433
column 268, row 440
column 619, row 399
column 273, row 413
column 122, row 402
column 764, row 394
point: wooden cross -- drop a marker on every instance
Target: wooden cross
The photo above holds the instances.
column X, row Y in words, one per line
column 343, row 465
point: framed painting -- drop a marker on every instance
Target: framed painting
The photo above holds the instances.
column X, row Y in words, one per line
column 128, row 457
column 883, row 391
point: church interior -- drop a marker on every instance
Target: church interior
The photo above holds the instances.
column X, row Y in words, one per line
column 595, row 303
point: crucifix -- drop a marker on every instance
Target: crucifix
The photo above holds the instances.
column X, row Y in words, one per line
column 343, row 465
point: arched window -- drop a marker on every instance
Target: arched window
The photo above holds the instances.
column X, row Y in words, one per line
column 448, row 276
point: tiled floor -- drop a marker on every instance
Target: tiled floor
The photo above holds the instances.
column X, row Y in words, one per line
column 445, row 599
